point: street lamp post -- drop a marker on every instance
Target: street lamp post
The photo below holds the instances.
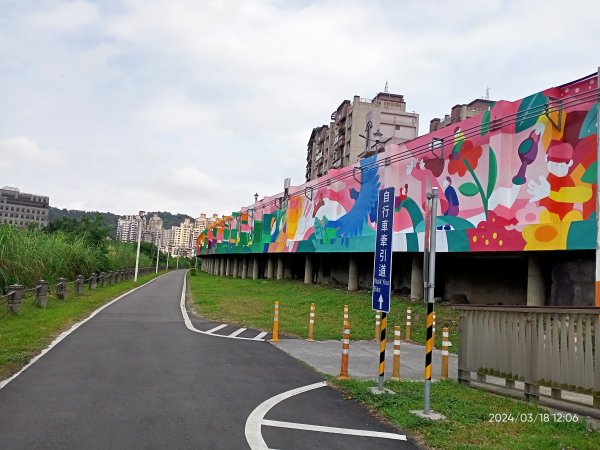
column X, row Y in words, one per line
column 137, row 255
column 158, row 253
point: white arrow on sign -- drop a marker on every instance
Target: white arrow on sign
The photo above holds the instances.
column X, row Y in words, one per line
column 380, row 302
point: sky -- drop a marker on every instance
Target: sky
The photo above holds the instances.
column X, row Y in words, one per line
column 193, row 106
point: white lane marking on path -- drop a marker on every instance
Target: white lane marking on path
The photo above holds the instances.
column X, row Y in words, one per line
column 217, row 328
column 260, row 335
column 237, row 332
column 190, row 326
column 64, row 334
column 336, row 430
column 257, row 419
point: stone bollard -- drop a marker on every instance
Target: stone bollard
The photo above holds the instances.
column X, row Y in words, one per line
column 101, row 279
column 93, row 281
column 61, row 289
column 117, row 276
column 79, row 284
column 15, row 299
column 41, row 294
column 111, row 278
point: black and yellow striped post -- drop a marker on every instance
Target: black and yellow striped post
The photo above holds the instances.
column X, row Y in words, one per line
column 382, row 349
column 429, row 288
column 377, row 325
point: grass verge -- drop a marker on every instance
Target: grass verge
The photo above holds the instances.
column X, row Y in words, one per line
column 250, row 303
column 24, row 336
column 468, row 412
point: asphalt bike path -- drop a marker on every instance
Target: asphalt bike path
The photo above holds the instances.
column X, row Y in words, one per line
column 134, row 376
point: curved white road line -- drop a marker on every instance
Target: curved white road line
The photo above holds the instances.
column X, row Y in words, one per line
column 64, row 334
column 190, row 326
column 255, row 419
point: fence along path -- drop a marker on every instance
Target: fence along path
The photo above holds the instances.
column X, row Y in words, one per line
column 17, row 293
column 558, row 348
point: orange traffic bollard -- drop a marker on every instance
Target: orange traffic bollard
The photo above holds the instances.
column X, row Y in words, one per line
column 408, row 327
column 346, row 314
column 311, row 323
column 275, row 337
column 396, row 364
column 445, row 345
column 345, row 350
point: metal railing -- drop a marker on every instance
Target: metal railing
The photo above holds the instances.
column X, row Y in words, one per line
column 551, row 347
column 17, row 293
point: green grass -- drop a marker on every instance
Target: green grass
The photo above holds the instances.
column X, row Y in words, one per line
column 28, row 255
column 24, row 336
column 468, row 423
column 250, row 303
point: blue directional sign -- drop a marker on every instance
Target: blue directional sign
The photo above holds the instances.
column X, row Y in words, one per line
column 382, row 264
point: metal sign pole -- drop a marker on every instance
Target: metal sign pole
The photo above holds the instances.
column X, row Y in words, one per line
column 430, row 295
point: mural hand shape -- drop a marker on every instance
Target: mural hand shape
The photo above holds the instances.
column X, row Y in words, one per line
column 538, row 190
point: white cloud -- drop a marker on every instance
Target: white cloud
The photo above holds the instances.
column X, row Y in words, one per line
column 23, row 153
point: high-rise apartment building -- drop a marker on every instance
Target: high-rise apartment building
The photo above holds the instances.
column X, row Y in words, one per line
column 340, row 143
column 127, row 228
column 21, row 209
column 153, row 231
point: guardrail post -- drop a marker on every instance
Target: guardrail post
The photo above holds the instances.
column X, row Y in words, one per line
column 61, row 288
column 531, row 388
column 101, row 279
column 79, row 284
column 41, row 294
column 464, row 376
column 15, row 299
column 93, row 281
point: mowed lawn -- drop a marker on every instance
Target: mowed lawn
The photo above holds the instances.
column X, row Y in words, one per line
column 250, row 303
column 25, row 335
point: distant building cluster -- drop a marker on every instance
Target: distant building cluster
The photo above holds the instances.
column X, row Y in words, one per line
column 22, row 209
column 177, row 241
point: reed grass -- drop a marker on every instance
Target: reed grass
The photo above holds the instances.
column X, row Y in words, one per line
column 28, row 255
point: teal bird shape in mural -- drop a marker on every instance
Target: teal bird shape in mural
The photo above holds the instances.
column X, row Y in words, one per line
column 365, row 204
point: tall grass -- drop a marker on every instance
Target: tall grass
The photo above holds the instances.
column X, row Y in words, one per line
column 28, row 255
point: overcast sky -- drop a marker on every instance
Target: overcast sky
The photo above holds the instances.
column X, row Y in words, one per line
column 193, row 106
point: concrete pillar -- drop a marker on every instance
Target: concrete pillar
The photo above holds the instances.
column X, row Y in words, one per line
column 270, row 267
column 15, row 300
column 352, row 274
column 416, row 277
column 244, row 267
column 308, row 269
column 280, row 267
column 536, row 290
column 255, row 268
column 228, row 266
column 235, row 267
column 320, row 271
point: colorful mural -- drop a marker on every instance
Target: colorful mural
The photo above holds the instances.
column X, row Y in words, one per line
column 521, row 176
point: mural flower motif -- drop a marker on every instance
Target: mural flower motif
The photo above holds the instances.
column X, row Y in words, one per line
column 494, row 235
column 527, row 215
column 463, row 153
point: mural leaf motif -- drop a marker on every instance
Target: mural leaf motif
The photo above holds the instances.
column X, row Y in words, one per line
column 529, row 111
column 468, row 189
column 485, row 123
column 590, row 123
column 493, row 173
column 590, row 174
